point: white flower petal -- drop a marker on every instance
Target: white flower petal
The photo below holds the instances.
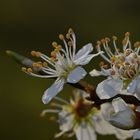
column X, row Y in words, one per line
column 101, row 125
column 85, row 59
column 125, row 92
column 109, row 88
column 119, row 105
column 53, row 91
column 84, row 51
column 107, row 110
column 136, row 135
column 123, row 120
column 132, row 86
column 138, row 87
column 65, row 121
column 123, row 134
column 76, row 75
column 124, row 116
column 105, row 72
column 95, row 73
column 85, row 132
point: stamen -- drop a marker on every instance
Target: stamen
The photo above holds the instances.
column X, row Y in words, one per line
column 70, row 44
column 103, row 41
column 43, row 113
column 56, row 105
column 114, row 44
column 61, row 100
column 98, row 45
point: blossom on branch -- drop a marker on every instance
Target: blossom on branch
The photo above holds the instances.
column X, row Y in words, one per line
column 64, row 64
column 123, row 70
column 81, row 118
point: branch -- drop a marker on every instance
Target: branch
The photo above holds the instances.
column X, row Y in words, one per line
column 83, row 85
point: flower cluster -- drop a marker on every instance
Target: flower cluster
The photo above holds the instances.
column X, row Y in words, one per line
column 110, row 108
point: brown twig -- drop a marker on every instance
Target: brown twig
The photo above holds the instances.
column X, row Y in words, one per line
column 83, row 85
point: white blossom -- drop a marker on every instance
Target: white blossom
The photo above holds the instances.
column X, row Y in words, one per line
column 79, row 117
column 119, row 114
column 123, row 70
column 64, row 64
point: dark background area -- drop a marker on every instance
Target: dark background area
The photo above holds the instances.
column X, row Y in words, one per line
column 27, row 25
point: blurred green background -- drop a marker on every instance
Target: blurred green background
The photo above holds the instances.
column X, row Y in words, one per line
column 27, row 25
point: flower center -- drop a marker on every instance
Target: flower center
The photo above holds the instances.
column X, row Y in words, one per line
column 82, row 109
column 125, row 65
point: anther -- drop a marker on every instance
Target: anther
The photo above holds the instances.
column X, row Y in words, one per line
column 54, row 44
column 137, row 44
column 59, row 47
column 53, row 54
column 61, row 37
column 68, row 36
column 34, row 64
column 114, row 38
column 113, row 59
column 103, row 41
column 37, row 64
column 53, row 59
column 70, row 31
column 101, row 64
column 24, row 69
column 38, row 54
column 33, row 53
column 98, row 42
column 45, row 64
column 29, row 70
column 127, row 34
column 107, row 39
